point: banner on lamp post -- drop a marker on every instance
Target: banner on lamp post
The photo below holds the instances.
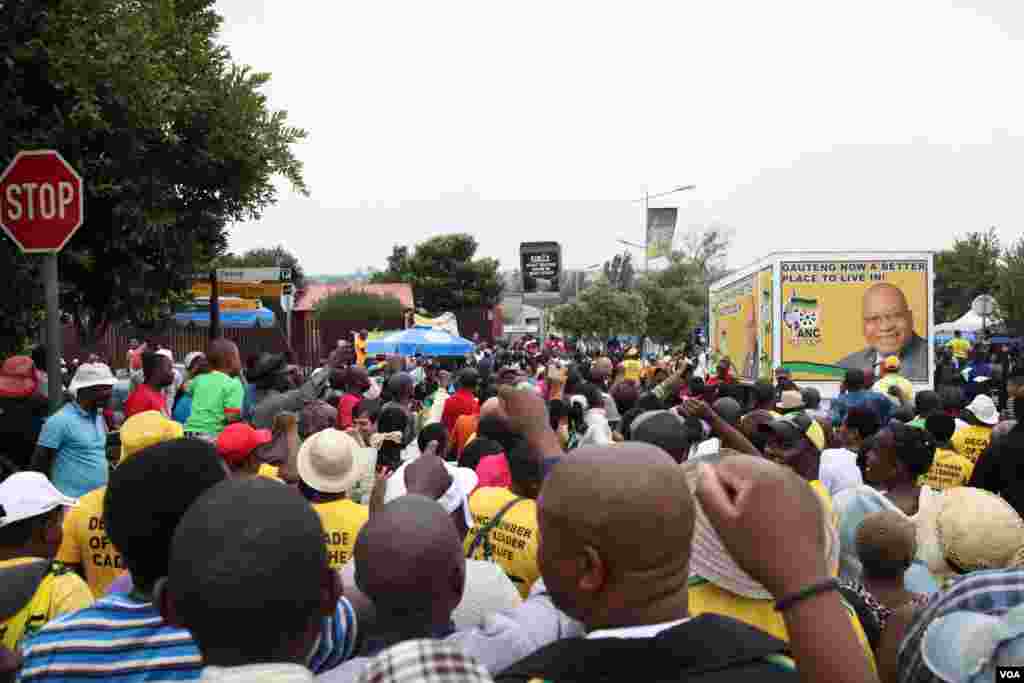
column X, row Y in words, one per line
column 661, row 231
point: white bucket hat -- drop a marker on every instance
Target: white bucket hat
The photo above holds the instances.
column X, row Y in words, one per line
column 983, row 408
column 331, row 461
column 29, row 494
column 464, row 481
column 91, row 375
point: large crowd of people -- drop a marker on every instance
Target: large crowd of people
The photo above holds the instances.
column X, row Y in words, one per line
column 535, row 511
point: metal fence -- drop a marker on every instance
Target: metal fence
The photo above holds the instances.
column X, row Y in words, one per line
column 113, row 346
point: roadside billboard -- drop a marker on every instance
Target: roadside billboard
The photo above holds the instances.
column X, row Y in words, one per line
column 541, row 265
column 842, row 314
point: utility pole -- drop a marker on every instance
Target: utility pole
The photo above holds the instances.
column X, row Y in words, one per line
column 215, row 332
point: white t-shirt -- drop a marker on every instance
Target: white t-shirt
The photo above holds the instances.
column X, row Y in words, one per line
column 838, row 470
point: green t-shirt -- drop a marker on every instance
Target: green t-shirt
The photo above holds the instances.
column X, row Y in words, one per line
column 215, row 398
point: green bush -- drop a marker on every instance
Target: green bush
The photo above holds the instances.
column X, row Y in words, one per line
column 362, row 307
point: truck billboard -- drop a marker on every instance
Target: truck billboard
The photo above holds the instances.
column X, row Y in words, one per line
column 840, row 314
column 741, row 325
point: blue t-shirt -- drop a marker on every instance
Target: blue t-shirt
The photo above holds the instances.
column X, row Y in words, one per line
column 182, row 409
column 80, row 440
column 873, row 400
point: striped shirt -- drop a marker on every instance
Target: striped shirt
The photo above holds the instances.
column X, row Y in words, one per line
column 124, row 639
column 993, row 592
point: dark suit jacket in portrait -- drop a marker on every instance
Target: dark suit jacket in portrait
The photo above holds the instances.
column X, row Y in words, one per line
column 913, row 360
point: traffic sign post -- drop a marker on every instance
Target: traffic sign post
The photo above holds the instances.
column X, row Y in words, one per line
column 42, row 205
column 272, row 274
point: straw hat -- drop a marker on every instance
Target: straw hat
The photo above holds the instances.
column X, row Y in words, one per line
column 790, row 400
column 331, row 462
column 975, row 529
column 710, row 559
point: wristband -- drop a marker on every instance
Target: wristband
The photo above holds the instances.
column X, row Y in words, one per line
column 784, row 603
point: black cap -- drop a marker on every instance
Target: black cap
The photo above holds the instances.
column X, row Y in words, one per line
column 469, row 378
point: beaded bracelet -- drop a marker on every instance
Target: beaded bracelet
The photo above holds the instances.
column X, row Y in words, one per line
column 784, row 603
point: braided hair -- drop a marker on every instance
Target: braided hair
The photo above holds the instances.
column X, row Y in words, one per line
column 914, row 447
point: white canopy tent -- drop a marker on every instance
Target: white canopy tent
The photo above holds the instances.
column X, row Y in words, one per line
column 968, row 322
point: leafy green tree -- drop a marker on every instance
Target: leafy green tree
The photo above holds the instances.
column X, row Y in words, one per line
column 675, row 301
column 443, row 274
column 970, row 268
column 375, row 309
column 1011, row 287
column 602, row 311
column 173, row 140
column 572, row 319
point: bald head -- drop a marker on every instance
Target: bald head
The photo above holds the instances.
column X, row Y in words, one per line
column 886, row 544
column 629, row 508
column 888, row 320
column 409, row 561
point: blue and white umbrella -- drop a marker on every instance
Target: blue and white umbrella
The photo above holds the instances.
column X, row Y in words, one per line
column 424, row 340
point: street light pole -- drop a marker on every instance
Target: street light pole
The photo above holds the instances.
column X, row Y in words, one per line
column 647, row 207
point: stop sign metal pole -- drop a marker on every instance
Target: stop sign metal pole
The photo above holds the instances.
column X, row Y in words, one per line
column 54, row 340
column 42, row 204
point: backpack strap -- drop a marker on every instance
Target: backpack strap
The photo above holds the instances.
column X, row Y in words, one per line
column 710, row 647
column 483, row 535
column 22, row 597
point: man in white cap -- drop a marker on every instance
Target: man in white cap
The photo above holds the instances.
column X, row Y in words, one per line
column 35, row 589
column 981, row 416
column 72, row 448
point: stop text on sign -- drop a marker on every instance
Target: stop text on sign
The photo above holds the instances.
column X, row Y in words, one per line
column 42, row 201
column 39, row 200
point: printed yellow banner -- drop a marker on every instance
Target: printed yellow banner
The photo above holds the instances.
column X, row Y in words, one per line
column 838, row 315
column 734, row 328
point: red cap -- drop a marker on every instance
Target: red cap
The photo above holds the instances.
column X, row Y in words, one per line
column 238, row 440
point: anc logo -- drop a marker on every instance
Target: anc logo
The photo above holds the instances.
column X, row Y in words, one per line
column 802, row 317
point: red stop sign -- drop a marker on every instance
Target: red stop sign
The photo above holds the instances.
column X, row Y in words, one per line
column 41, row 201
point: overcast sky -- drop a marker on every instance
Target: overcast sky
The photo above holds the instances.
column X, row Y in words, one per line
column 805, row 125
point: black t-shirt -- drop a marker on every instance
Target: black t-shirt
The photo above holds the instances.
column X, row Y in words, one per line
column 1000, row 468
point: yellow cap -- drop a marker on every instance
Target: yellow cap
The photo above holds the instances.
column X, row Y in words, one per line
column 892, row 363
column 147, row 429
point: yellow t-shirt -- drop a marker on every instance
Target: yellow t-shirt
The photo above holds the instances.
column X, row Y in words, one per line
column 971, row 440
column 633, row 369
column 513, row 541
column 60, row 592
column 342, row 520
column 360, row 346
column 86, row 543
column 705, row 596
column 960, row 347
column 948, row 470
column 268, row 471
column 906, row 388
